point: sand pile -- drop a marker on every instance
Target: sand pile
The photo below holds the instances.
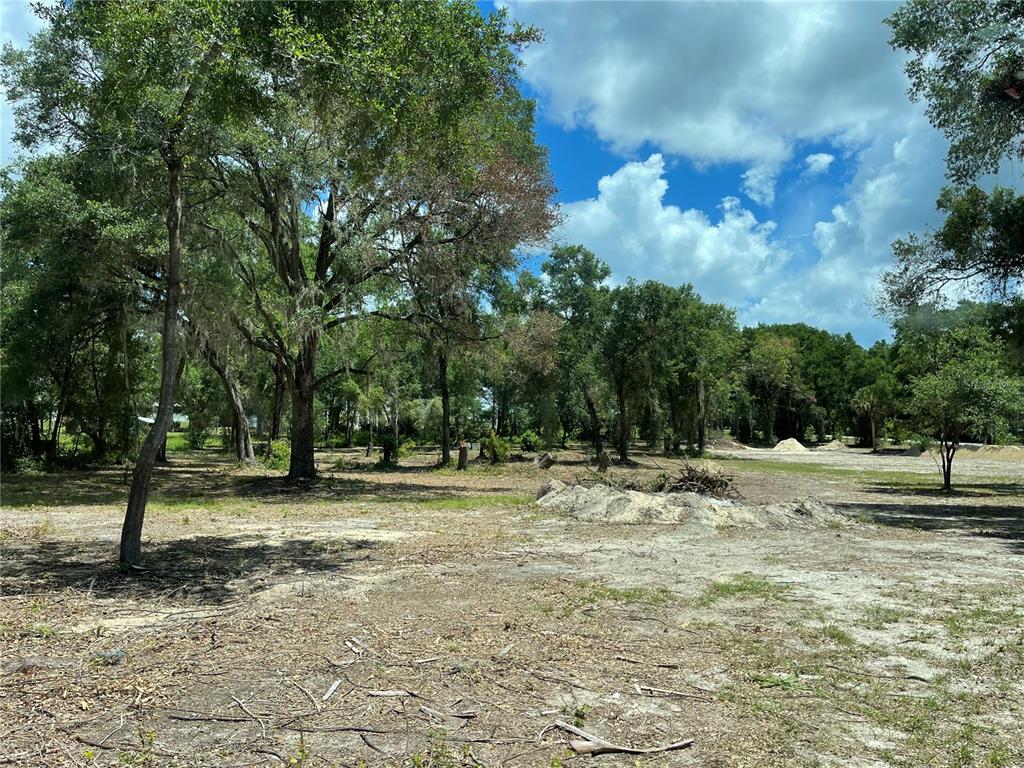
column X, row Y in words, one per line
column 790, row 445
column 725, row 444
column 832, row 445
column 1001, row 452
column 600, row 503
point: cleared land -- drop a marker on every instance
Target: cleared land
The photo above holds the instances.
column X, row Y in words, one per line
column 452, row 621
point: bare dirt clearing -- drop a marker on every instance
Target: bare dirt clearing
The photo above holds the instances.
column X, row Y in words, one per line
column 417, row 617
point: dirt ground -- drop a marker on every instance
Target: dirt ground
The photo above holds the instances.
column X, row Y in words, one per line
column 419, row 617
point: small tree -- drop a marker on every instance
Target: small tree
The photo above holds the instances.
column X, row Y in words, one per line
column 875, row 402
column 966, row 392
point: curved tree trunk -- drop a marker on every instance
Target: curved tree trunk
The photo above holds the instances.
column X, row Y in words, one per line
column 244, row 451
column 131, row 531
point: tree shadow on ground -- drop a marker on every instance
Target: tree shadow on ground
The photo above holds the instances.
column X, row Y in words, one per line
column 1005, row 521
column 960, row 490
column 326, row 488
column 201, row 570
column 214, row 480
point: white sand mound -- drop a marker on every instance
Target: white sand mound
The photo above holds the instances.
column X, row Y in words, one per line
column 600, row 503
column 832, row 445
column 789, row 445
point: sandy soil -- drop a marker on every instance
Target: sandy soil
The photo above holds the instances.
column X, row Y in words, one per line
column 452, row 622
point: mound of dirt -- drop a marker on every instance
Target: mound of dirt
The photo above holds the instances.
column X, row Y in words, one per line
column 831, row 445
column 790, row 445
column 1002, row 452
column 600, row 503
column 725, row 444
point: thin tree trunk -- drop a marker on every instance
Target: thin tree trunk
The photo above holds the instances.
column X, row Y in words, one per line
column 947, row 449
column 702, row 417
column 302, row 463
column 131, row 531
column 350, row 425
column 280, row 390
column 442, row 371
column 595, row 424
column 620, row 392
column 242, row 437
column 161, row 455
column 37, row 434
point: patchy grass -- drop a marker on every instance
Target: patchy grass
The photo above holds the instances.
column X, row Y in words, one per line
column 597, row 592
column 476, row 501
column 838, row 635
column 740, row 586
column 879, row 616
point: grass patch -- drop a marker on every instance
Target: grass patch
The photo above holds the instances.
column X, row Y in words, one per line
column 742, row 585
column 597, row 592
column 878, row 616
column 838, row 635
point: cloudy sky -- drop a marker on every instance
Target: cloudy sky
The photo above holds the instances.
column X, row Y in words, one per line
column 766, row 153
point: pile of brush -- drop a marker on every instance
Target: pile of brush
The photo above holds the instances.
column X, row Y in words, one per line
column 702, row 479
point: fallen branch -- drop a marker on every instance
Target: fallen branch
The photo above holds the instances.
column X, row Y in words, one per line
column 241, row 706
column 589, row 744
column 646, row 689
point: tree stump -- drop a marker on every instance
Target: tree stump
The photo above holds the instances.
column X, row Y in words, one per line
column 603, row 461
column 545, row 461
column 463, row 456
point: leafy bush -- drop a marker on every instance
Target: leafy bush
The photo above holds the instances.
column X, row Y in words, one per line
column 530, row 440
column 279, row 456
column 388, row 450
column 198, row 430
column 497, row 448
column 26, row 465
column 406, row 448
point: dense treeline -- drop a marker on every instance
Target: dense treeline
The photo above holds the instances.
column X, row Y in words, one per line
column 553, row 359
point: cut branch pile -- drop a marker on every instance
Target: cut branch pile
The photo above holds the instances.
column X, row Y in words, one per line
column 691, row 478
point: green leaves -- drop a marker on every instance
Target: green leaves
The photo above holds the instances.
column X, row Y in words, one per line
column 961, row 386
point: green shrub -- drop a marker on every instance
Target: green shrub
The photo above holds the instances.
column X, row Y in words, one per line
column 279, row 456
column 530, row 440
column 406, row 448
column 26, row 465
column 198, row 430
column 497, row 448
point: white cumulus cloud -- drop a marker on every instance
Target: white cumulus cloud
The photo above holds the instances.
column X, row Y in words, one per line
column 817, row 163
column 759, row 184
column 750, row 84
column 628, row 224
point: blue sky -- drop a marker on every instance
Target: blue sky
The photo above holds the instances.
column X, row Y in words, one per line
column 765, row 152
